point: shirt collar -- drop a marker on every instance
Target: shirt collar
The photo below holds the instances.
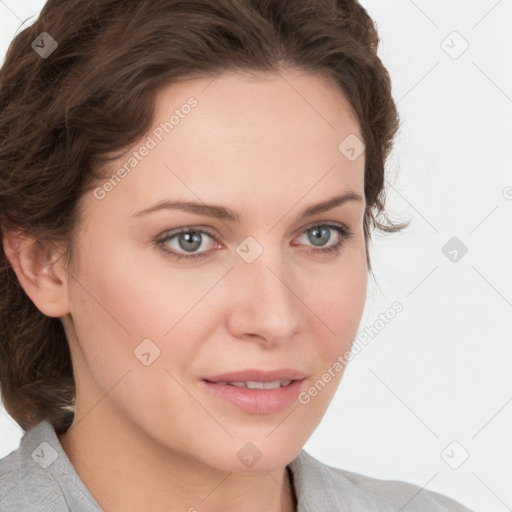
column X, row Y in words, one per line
column 42, row 454
column 319, row 487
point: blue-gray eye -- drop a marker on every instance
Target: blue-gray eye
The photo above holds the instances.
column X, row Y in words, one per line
column 190, row 240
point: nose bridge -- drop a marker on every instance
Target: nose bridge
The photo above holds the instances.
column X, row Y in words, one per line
column 267, row 304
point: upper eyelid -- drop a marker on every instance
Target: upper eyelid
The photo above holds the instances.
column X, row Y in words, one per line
column 211, row 232
column 323, row 223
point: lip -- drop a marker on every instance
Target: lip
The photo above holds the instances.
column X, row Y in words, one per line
column 258, row 375
column 256, row 401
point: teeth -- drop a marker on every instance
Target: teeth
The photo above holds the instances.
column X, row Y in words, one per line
column 237, row 384
column 251, row 384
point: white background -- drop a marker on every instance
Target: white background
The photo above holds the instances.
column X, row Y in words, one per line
column 440, row 371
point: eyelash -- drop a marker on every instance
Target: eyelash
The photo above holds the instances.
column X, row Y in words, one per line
column 345, row 235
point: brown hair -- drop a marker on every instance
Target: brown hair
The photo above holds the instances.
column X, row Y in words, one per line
column 61, row 117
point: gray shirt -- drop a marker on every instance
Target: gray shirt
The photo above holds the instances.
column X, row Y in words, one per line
column 39, row 477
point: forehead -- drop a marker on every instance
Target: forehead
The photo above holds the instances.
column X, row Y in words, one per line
column 239, row 106
column 236, row 135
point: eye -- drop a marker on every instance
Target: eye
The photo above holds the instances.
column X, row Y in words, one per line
column 322, row 233
column 188, row 239
column 191, row 239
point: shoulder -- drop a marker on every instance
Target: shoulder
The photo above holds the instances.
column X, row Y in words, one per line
column 319, row 486
column 31, row 476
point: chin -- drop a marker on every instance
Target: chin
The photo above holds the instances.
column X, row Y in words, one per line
column 254, row 457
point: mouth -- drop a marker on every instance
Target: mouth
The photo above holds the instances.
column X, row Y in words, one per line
column 259, row 376
column 256, row 391
column 251, row 384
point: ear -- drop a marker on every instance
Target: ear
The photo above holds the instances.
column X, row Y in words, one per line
column 39, row 271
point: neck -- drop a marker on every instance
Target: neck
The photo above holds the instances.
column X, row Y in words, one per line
column 149, row 476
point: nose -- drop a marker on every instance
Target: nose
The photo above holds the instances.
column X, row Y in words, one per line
column 265, row 305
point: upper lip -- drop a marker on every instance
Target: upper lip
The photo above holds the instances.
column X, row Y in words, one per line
column 258, row 375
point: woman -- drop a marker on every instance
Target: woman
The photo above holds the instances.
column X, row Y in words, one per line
column 188, row 191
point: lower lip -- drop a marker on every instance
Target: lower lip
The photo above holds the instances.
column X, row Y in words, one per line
column 258, row 401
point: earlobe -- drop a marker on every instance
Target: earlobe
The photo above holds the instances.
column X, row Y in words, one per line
column 39, row 273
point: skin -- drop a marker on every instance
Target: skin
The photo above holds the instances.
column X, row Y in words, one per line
column 150, row 437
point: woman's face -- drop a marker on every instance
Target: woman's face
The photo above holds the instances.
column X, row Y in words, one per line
column 264, row 292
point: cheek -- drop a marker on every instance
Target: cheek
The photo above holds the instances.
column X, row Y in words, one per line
column 338, row 300
column 123, row 289
column 339, row 306
column 120, row 299
column 114, row 308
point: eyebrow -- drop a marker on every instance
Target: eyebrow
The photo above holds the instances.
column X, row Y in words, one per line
column 223, row 213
